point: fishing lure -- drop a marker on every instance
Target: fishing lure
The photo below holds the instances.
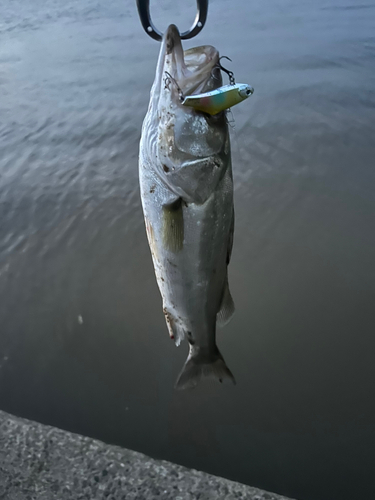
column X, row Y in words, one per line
column 219, row 99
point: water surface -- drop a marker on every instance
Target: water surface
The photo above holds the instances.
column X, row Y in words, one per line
column 83, row 343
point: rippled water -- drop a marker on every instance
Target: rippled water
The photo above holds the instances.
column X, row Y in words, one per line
column 83, row 343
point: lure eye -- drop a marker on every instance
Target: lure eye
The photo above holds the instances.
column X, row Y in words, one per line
column 246, row 92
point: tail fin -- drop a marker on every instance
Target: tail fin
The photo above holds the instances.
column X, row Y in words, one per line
column 203, row 363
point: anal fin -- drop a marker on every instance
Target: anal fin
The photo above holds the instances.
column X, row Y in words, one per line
column 227, row 308
column 176, row 333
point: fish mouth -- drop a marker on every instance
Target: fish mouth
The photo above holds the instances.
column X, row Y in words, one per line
column 172, row 39
column 172, row 46
column 196, row 70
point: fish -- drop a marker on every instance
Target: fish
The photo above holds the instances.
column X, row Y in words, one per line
column 186, row 187
column 219, row 99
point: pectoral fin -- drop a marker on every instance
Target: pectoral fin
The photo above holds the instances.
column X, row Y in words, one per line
column 173, row 226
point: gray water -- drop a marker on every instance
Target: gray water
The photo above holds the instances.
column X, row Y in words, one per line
column 83, row 343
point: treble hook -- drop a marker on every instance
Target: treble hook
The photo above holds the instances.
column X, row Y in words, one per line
column 149, row 27
column 232, row 80
column 170, row 79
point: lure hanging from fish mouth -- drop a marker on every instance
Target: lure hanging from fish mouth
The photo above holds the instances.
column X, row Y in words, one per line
column 219, row 99
column 215, row 101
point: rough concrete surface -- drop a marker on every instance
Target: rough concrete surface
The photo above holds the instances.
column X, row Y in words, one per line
column 38, row 462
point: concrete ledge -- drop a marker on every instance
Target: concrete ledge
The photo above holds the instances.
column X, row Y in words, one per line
column 38, row 462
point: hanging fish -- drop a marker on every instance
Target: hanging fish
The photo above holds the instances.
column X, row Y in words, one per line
column 186, row 186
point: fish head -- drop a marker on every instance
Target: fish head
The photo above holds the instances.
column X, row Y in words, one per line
column 193, row 71
column 182, row 73
column 174, row 134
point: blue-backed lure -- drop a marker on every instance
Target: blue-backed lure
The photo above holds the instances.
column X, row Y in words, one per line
column 219, row 99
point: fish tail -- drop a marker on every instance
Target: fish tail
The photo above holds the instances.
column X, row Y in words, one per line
column 203, row 363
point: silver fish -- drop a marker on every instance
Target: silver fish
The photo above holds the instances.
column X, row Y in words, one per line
column 187, row 197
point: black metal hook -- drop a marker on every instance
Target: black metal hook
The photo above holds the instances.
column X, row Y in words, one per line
column 232, row 80
column 153, row 32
